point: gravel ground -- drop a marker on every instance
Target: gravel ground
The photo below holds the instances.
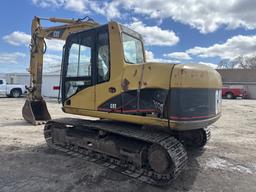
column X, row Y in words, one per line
column 228, row 162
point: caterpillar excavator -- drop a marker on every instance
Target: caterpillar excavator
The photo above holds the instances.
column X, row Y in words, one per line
column 149, row 112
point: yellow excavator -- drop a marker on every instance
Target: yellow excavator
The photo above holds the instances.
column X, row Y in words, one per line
column 149, row 112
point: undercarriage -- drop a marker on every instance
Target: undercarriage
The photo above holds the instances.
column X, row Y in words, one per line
column 148, row 155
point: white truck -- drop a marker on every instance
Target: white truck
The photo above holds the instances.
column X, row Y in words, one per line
column 10, row 90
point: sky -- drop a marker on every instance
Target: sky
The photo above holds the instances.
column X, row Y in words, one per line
column 177, row 31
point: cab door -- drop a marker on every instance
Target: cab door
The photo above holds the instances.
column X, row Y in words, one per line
column 79, row 68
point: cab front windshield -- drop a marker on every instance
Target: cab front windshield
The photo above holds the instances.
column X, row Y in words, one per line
column 133, row 49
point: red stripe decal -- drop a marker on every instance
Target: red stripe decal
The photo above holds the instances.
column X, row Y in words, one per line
column 131, row 110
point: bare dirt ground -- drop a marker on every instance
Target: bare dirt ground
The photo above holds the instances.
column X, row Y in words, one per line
column 228, row 162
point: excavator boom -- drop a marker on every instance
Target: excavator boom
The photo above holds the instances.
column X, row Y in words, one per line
column 35, row 110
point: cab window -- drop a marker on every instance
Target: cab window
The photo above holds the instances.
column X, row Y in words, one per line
column 79, row 66
column 133, row 49
column 103, row 58
column 79, row 63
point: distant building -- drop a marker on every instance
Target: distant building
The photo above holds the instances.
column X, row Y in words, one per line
column 245, row 78
column 50, row 83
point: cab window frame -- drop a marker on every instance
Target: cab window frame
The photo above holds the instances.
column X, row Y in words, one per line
column 79, row 65
column 103, row 30
column 94, row 57
column 77, row 40
column 142, row 47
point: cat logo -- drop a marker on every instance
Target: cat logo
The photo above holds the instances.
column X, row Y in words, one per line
column 56, row 34
column 112, row 106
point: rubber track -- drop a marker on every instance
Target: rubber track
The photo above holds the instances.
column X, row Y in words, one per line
column 175, row 149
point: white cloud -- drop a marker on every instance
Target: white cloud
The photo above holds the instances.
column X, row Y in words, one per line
column 52, row 63
column 76, row 5
column 80, row 6
column 154, row 35
column 206, row 16
column 151, row 58
column 233, row 47
column 209, row 64
column 18, row 38
column 149, row 55
column 52, row 59
column 55, row 44
column 98, row 8
column 12, row 58
column 178, row 55
column 110, row 10
column 107, row 9
column 49, row 3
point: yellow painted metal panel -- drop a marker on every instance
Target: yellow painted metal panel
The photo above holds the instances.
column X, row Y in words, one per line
column 156, row 75
column 131, row 76
column 83, row 99
column 195, row 76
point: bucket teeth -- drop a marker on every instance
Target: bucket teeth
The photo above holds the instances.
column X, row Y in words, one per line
column 35, row 112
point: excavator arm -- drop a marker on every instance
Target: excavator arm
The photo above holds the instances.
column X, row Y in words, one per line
column 35, row 110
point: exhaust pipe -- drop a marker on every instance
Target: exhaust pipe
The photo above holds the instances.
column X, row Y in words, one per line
column 35, row 112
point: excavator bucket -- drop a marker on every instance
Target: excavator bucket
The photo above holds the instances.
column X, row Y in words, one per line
column 35, row 112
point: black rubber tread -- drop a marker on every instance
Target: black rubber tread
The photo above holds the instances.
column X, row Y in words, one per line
column 174, row 148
